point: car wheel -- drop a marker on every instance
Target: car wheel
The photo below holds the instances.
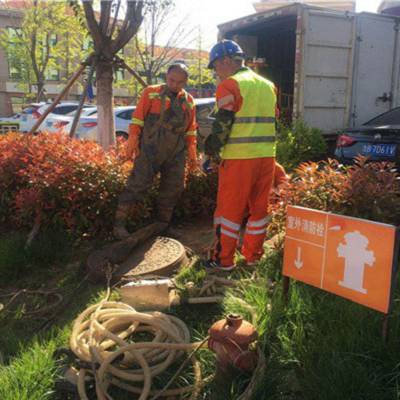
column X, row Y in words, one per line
column 121, row 134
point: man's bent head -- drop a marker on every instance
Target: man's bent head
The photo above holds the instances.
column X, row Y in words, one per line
column 177, row 77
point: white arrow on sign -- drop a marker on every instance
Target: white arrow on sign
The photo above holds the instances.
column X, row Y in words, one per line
column 298, row 263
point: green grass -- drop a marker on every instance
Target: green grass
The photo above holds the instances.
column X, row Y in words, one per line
column 31, row 375
column 318, row 346
column 17, row 262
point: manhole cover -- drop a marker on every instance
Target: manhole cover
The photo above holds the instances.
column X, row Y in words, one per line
column 159, row 256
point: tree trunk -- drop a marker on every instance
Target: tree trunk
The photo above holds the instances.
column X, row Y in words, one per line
column 41, row 96
column 105, row 102
column 149, row 77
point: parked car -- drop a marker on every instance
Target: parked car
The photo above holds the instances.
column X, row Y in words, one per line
column 56, row 123
column 378, row 139
column 30, row 119
column 25, row 114
column 10, row 124
column 87, row 126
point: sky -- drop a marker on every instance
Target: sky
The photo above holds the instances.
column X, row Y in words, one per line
column 207, row 14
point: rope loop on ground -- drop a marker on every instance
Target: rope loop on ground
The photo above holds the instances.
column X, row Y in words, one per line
column 126, row 347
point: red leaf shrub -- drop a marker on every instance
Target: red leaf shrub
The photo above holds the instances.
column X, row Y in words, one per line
column 373, row 191
column 74, row 184
column 199, row 196
column 367, row 190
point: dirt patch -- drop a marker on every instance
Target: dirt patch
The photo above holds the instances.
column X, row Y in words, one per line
column 159, row 256
column 198, row 235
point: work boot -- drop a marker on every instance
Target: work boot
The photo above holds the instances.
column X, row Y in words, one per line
column 120, row 232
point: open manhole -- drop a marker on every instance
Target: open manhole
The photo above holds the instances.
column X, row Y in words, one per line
column 159, row 256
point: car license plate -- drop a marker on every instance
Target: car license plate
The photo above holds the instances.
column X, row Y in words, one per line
column 385, row 150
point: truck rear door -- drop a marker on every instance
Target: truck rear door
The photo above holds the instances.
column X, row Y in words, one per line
column 326, row 42
column 376, row 67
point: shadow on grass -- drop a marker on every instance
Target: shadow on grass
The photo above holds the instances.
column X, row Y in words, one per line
column 51, row 263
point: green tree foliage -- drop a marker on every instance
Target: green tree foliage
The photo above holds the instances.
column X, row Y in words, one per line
column 199, row 75
column 50, row 39
column 299, row 143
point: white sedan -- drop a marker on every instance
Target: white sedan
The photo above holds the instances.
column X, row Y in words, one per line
column 63, row 123
column 30, row 119
column 87, row 126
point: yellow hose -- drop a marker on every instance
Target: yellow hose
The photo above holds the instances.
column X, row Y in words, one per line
column 101, row 335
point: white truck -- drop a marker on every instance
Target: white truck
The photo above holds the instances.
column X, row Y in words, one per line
column 333, row 69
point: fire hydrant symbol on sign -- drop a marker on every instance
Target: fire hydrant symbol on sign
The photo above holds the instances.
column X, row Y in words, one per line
column 356, row 258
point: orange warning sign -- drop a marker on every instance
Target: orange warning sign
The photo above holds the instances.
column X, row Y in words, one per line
column 350, row 257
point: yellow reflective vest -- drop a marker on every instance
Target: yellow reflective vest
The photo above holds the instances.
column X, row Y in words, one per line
column 253, row 129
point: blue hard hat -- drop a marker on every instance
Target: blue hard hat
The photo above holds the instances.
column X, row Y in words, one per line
column 224, row 48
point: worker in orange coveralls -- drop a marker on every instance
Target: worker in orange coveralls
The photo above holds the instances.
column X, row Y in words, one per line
column 163, row 125
column 243, row 137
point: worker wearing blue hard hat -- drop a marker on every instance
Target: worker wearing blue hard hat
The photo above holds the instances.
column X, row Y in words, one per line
column 243, row 138
column 224, row 48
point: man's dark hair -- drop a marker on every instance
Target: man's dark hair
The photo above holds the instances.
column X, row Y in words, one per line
column 179, row 66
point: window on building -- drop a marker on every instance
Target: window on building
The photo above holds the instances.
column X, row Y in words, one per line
column 14, row 64
column 14, row 71
column 13, row 32
column 52, row 74
column 17, row 103
column 53, row 39
column 119, row 75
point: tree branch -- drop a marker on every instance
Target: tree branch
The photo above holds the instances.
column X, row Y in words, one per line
column 140, row 52
column 47, row 55
column 92, row 24
column 105, row 13
column 132, row 22
column 115, row 19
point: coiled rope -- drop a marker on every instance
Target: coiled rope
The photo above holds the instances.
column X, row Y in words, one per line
column 102, row 335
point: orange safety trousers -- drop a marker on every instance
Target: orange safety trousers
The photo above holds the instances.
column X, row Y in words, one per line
column 243, row 189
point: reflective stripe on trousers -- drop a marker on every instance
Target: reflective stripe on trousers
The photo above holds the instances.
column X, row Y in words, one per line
column 258, row 227
column 243, row 188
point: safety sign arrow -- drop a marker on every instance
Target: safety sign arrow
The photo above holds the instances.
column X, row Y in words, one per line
column 351, row 257
column 297, row 262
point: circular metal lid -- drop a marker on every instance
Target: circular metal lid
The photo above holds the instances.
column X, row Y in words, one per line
column 159, row 256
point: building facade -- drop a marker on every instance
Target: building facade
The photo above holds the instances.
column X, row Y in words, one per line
column 15, row 94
